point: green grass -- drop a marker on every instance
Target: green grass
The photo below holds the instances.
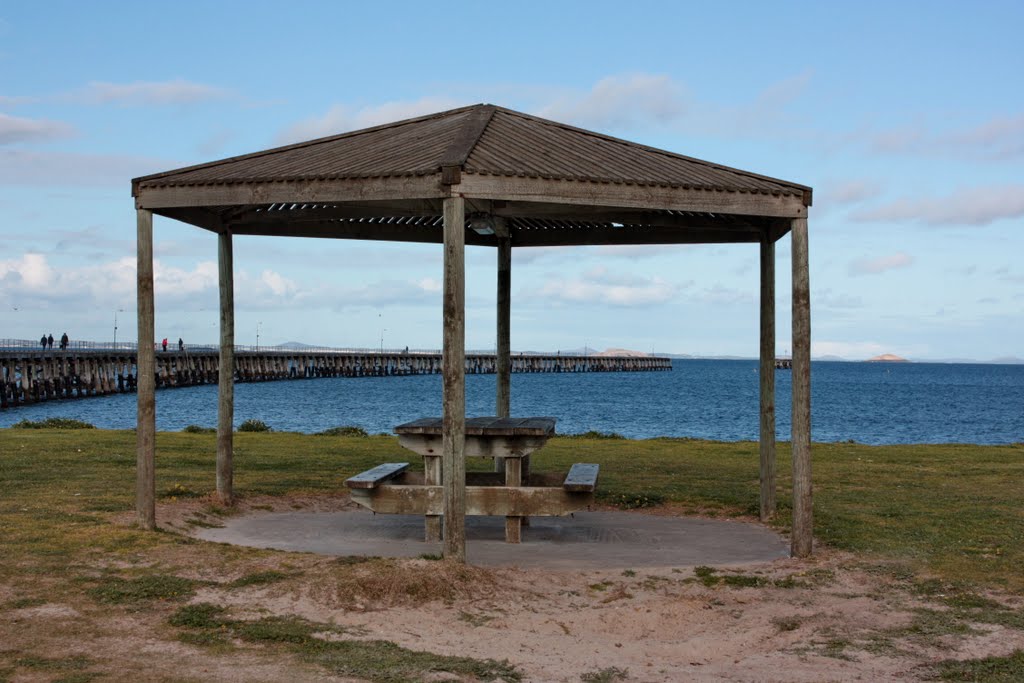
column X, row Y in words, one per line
column 953, row 510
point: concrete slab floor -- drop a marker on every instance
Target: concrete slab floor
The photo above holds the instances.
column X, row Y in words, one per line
column 587, row 540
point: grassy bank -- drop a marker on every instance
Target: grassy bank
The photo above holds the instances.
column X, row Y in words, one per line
column 80, row 586
column 955, row 511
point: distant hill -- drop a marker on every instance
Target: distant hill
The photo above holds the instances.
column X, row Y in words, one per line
column 887, row 358
column 622, row 352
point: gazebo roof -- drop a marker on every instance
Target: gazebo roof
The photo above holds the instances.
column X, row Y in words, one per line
column 543, row 176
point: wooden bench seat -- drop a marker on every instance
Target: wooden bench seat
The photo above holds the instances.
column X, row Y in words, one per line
column 379, row 474
column 582, row 478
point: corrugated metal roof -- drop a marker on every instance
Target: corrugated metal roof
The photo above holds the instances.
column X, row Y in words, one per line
column 481, row 139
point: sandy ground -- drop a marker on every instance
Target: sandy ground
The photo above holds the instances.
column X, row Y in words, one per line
column 835, row 617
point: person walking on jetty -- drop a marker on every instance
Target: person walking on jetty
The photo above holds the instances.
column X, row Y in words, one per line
column 49, row 340
column 164, row 343
column 42, row 342
column 181, row 344
column 64, row 341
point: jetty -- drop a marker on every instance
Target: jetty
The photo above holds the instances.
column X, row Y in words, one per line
column 30, row 374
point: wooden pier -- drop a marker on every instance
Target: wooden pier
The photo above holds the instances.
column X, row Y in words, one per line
column 30, row 376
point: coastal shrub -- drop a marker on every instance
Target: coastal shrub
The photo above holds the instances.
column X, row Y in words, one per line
column 254, row 426
column 180, row 491
column 53, row 423
column 196, row 429
column 343, row 431
column 595, row 435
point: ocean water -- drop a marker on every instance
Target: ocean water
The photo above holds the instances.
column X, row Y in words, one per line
column 873, row 403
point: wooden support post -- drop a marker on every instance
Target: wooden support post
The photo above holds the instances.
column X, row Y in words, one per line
column 767, row 442
column 226, row 380
column 803, row 526
column 503, row 349
column 454, row 380
column 145, row 429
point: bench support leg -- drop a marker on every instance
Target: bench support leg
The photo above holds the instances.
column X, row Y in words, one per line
column 432, row 477
column 513, row 477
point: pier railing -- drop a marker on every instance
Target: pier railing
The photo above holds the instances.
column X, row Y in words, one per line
column 30, row 373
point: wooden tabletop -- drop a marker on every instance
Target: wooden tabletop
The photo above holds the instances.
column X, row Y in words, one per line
column 485, row 426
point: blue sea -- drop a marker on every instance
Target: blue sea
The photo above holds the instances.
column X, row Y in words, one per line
column 872, row 403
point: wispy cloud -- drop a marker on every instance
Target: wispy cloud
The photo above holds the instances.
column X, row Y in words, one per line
column 45, row 168
column 149, row 93
column 880, row 264
column 601, row 286
column 342, row 118
column 829, row 298
column 719, row 294
column 999, row 138
column 847, row 192
column 971, row 206
column 15, row 129
column 15, row 100
column 619, row 101
column 853, row 350
column 644, row 100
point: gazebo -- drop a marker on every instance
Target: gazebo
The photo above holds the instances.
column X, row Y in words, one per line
column 481, row 175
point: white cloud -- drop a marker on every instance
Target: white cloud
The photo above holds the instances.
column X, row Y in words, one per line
column 29, row 271
column 147, row 93
column 429, row 284
column 971, row 206
column 880, row 264
column 342, row 118
column 16, row 129
column 599, row 285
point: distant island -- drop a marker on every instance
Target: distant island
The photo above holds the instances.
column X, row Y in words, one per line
column 887, row 358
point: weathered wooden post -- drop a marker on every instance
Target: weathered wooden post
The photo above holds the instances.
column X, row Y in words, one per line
column 226, row 382
column 767, row 440
column 503, row 347
column 145, row 431
column 454, row 381
column 803, row 518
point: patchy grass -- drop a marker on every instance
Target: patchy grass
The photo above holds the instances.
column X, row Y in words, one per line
column 1009, row 669
column 260, row 578
column 120, row 591
column 374, row 660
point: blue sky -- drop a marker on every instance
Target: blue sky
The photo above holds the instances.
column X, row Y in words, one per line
column 907, row 119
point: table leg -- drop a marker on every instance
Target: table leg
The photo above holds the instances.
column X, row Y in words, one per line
column 513, row 477
column 526, row 482
column 432, row 477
